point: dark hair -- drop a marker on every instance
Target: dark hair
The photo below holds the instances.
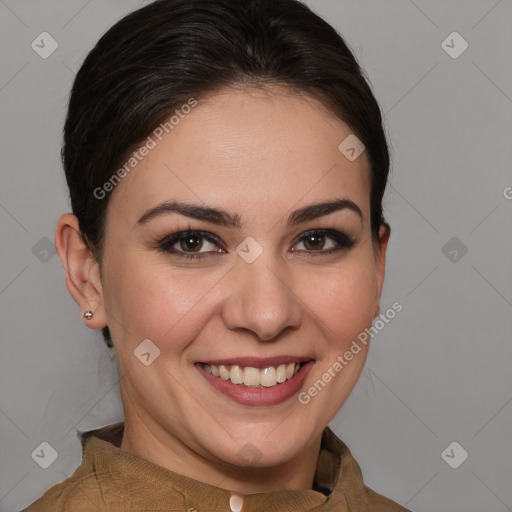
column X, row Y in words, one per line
column 156, row 58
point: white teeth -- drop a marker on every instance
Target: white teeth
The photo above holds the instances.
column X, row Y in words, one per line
column 281, row 373
column 223, row 372
column 254, row 377
column 268, row 377
column 237, row 375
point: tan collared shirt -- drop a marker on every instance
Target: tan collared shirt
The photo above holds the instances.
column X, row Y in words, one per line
column 110, row 479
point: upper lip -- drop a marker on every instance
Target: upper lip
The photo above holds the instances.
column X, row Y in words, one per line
column 257, row 362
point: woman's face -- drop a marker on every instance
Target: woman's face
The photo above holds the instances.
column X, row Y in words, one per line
column 260, row 293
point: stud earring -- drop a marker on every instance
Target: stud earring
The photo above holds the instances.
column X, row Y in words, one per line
column 88, row 314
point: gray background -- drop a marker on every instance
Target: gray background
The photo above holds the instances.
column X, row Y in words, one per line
column 439, row 372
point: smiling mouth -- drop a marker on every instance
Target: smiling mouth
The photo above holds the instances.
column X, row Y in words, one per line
column 251, row 377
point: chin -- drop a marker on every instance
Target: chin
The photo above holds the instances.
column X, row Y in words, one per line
column 263, row 448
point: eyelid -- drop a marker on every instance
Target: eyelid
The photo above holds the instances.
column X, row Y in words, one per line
column 166, row 243
column 343, row 241
column 334, row 234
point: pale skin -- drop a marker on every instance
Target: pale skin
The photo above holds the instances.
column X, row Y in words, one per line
column 261, row 154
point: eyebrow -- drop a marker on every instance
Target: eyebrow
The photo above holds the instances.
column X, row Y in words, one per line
column 223, row 218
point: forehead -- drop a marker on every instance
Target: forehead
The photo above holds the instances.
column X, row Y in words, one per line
column 254, row 150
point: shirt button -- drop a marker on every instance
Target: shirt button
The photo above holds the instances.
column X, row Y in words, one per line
column 235, row 502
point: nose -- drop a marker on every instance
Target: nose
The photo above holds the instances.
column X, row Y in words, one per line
column 261, row 299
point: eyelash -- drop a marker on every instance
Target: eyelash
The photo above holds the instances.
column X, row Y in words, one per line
column 165, row 244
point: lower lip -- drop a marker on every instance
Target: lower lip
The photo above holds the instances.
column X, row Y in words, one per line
column 246, row 395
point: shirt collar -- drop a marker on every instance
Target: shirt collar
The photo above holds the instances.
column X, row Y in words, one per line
column 338, row 483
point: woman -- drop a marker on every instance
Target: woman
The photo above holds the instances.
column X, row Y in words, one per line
column 226, row 162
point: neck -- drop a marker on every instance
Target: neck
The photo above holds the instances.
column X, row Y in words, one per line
column 148, row 440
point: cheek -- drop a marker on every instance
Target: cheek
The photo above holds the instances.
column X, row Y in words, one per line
column 345, row 302
column 149, row 301
column 170, row 307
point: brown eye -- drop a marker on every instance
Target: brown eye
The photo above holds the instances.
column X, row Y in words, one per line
column 189, row 244
column 315, row 241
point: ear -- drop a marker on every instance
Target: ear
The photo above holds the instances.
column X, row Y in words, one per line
column 82, row 270
column 380, row 262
